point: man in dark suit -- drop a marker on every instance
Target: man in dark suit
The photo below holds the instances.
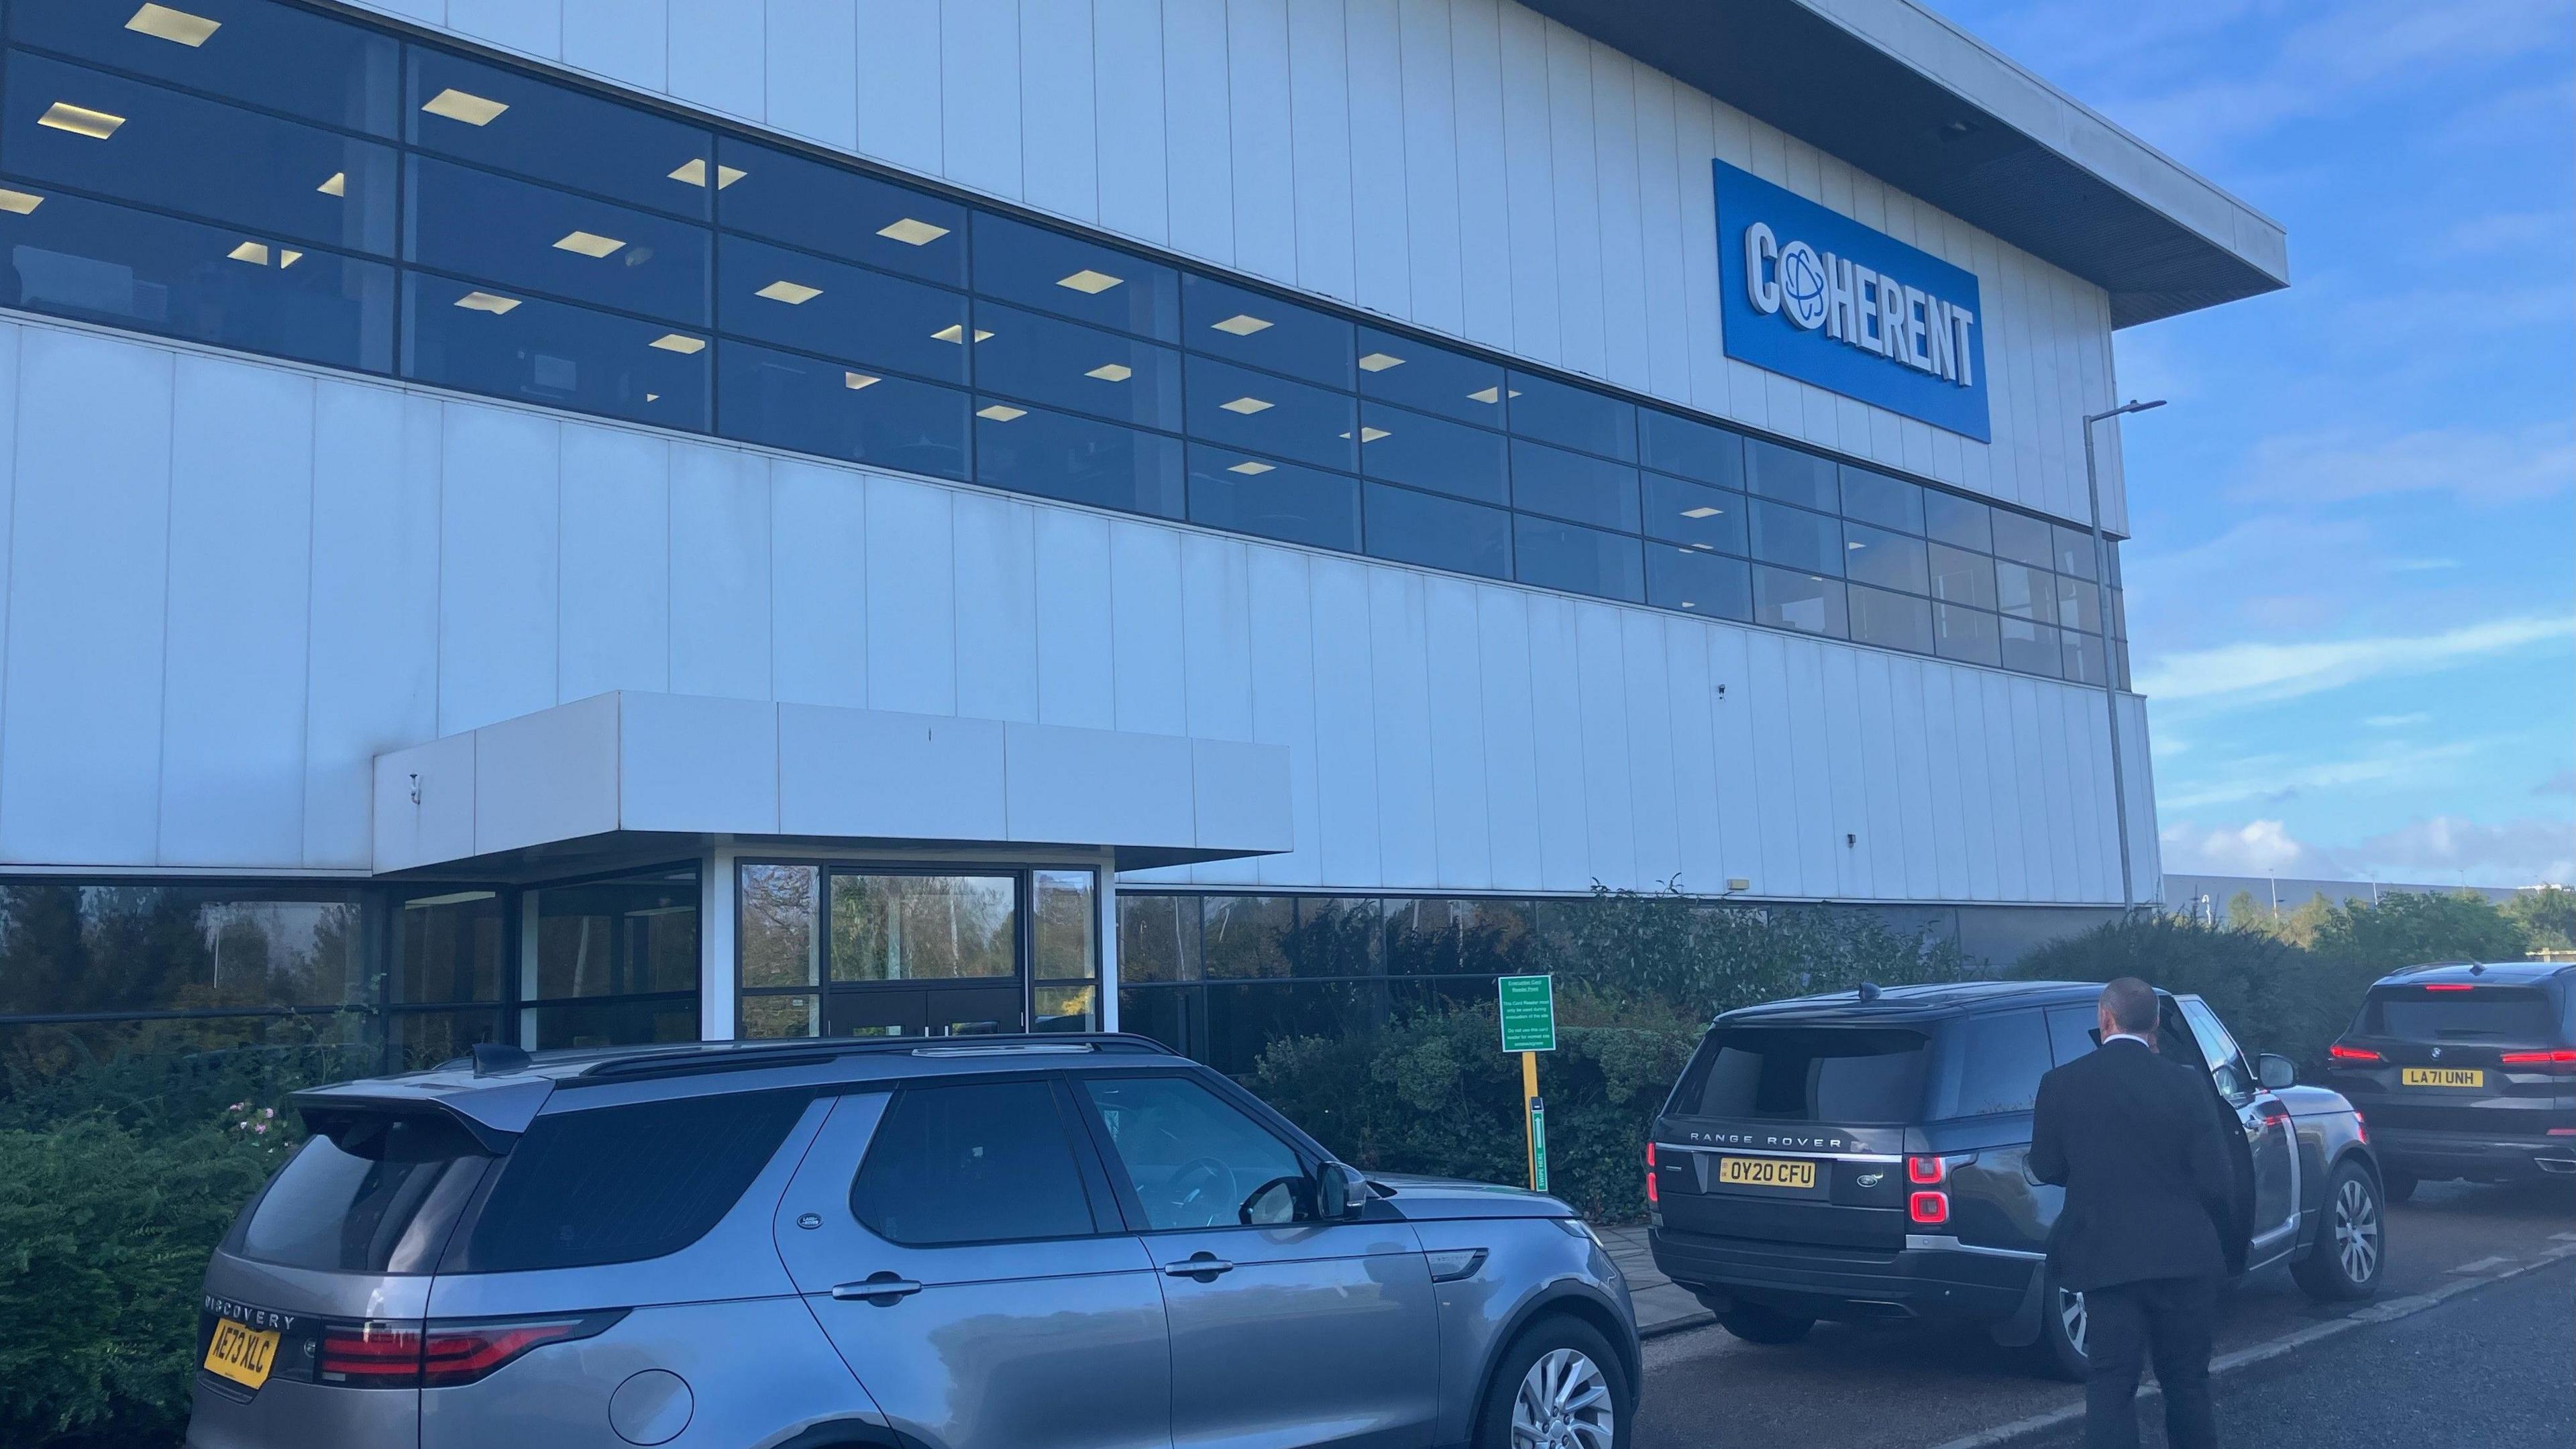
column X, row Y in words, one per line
column 2149, row 1199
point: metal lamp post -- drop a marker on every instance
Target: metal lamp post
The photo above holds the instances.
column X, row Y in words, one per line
column 2110, row 677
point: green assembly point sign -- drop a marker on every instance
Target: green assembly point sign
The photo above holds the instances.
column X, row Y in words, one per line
column 1529, row 1012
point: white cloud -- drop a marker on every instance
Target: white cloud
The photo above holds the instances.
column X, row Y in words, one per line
column 2431, row 850
column 2258, row 847
column 2249, row 673
column 2562, row 783
column 2507, row 230
column 2481, row 465
column 2421, row 565
column 2398, row 721
column 2271, row 778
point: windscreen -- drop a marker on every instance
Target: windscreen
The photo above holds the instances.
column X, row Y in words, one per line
column 376, row 1198
column 1806, row 1074
column 2482, row 1013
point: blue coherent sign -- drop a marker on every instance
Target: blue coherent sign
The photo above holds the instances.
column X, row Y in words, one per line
column 1812, row 294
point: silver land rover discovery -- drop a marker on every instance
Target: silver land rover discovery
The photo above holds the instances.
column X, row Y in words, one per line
column 1020, row 1242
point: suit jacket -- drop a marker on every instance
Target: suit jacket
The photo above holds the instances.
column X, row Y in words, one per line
column 2150, row 1188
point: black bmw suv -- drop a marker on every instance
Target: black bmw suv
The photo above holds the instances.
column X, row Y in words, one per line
column 2466, row 1070
column 1862, row 1156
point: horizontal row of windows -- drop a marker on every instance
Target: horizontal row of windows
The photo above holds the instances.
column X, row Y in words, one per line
column 255, row 175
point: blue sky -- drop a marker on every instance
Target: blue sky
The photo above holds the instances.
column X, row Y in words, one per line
column 2352, row 591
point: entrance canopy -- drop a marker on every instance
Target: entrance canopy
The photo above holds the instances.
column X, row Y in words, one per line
column 625, row 768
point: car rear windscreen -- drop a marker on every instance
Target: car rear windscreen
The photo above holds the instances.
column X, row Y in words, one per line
column 620, row 1184
column 1806, row 1074
column 2482, row 1013
column 381, row 1198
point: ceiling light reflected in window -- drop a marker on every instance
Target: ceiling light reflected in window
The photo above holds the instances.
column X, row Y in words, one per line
column 1486, row 395
column 1248, row 406
column 794, row 294
column 1241, row 324
column 174, row 25
column 80, row 120
column 1112, row 372
column 1089, row 282
column 1699, row 513
column 256, row 253
column 1380, row 362
column 336, row 185
column 288, row 256
column 956, row 332
column 679, row 342
column 652, row 397
column 588, row 244
column 693, row 172
column 486, row 302
column 912, row 232
column 856, row 380
column 1001, row 412
column 728, row 175
column 1250, row 468
column 19, row 203
column 465, row 106
column 1371, row 435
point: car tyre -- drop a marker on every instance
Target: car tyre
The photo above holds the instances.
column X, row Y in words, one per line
column 1559, row 1384
column 2396, row 1184
column 1756, row 1324
column 2351, row 1249
column 2058, row 1352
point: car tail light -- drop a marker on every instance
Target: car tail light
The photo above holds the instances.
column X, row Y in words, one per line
column 1651, row 1199
column 2340, row 1052
column 444, row 1352
column 2560, row 1061
column 2448, row 986
column 1922, row 1171
column 1928, row 1207
column 2562, row 1132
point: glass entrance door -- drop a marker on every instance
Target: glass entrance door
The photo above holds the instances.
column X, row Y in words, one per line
column 831, row 949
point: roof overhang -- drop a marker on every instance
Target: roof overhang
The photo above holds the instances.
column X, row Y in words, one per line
column 1917, row 102
column 625, row 774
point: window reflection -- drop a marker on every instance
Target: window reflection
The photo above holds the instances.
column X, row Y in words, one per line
column 2074, row 550
column 1413, row 448
column 840, row 411
column 836, row 212
column 514, row 122
column 2026, row 593
column 2023, row 539
column 1809, row 603
column 1692, row 449
column 1891, row 621
column 1573, row 417
column 1248, row 494
column 1570, row 485
column 1873, row 497
column 1272, row 415
column 1418, row 375
column 1966, row 635
column 1797, row 538
column 2030, row 648
column 2082, row 654
column 1078, row 279
column 798, row 300
column 1772, row 471
column 1248, row 327
column 1578, row 560
column 474, row 223
column 1107, row 374
column 1889, row 560
column 470, row 336
column 274, row 56
column 1960, row 522
column 1694, row 514
column 1962, row 577
column 1056, row 455
column 1442, row 533
column 1698, row 583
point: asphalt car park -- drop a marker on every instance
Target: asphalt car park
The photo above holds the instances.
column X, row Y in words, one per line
column 1892, row 1386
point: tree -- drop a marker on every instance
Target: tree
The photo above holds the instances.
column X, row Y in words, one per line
column 2547, row 916
column 2408, row 928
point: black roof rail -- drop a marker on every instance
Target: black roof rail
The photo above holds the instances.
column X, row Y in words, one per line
column 807, row 1051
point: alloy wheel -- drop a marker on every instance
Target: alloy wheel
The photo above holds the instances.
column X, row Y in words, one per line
column 2356, row 1230
column 1563, row 1403
column 2072, row 1317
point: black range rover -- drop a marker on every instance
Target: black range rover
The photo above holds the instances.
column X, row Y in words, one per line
column 2466, row 1070
column 1862, row 1156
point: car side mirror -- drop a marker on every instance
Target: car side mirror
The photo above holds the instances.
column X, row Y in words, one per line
column 1340, row 1192
column 2276, row 1072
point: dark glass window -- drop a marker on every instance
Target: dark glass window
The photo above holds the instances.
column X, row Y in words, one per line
column 1428, row 452
column 1158, row 937
column 1873, row 497
column 1238, row 491
column 1961, row 522
column 1067, row 365
column 2074, row 550
column 2079, row 604
column 2070, row 1031
column 1578, row 560
column 1573, row 417
column 1889, row 560
column 1478, row 936
column 1787, row 599
column 555, row 134
column 1194, row 1159
column 480, row 225
column 1797, row 538
column 2119, row 615
column 616, row 937
column 1078, row 279
column 2031, row 648
column 1267, row 414
column 1805, row 1074
column 1440, row 533
column 979, row 1162
column 1337, row 937
column 2001, row 1059
column 837, row 212
column 1772, row 471
column 1571, row 485
column 277, row 179
column 484, row 339
column 107, row 948
column 1694, row 514
column 86, row 259
column 1249, row 937
column 626, row 1183
column 795, row 300
column 1962, row 578
column 1891, row 621
column 1434, row 379
column 2083, row 655
column 1690, row 448
column 2507, row 1015
column 276, row 56
column 2026, row 593
column 2023, row 539
column 1700, row 583
column 1965, row 634
column 838, row 411
column 385, row 1203
column 1057, row 455
column 1248, row 327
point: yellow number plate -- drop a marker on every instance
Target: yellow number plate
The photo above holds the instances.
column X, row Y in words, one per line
column 1766, row 1172
column 241, row 1354
column 2442, row 1077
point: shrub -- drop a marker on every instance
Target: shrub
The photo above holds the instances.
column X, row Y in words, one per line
column 2404, row 928
column 2274, row 996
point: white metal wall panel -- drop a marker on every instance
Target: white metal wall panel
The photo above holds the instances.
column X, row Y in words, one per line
column 1881, row 815
column 1345, row 727
column 979, row 94
column 1432, row 230
column 1849, row 742
column 1216, row 660
column 1077, row 669
column 1914, row 735
column 1127, row 42
column 818, row 585
column 1319, row 145
column 719, row 589
column 1947, row 770
column 1820, row 835
column 1699, row 829
column 1609, row 807
column 1556, row 717
column 1373, row 47
column 1059, row 143
column 498, row 520
column 1622, row 219
column 1262, row 119
column 1529, row 186
column 1585, row 345
column 1400, row 700
column 1484, row 189
column 1731, row 717
column 530, row 28
column 997, row 608
column 2088, row 770
column 1505, row 679
column 1281, row 629
column 2007, row 779
column 911, row 613
column 625, row 40
column 812, row 70
column 900, row 64
column 1198, row 153
column 1145, row 619
column 241, row 511
column 718, row 56
column 1453, row 674
column 1647, row 671
column 615, row 630
column 1775, row 769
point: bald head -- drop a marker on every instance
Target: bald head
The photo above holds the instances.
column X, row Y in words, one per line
column 2129, row 1004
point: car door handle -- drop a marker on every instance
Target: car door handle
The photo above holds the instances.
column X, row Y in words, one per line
column 1202, row 1266
column 880, row 1289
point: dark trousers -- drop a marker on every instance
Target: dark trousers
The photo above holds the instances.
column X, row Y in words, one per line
column 2169, row 1320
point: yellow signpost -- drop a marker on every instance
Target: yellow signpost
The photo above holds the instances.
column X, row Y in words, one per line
column 1527, row 1005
